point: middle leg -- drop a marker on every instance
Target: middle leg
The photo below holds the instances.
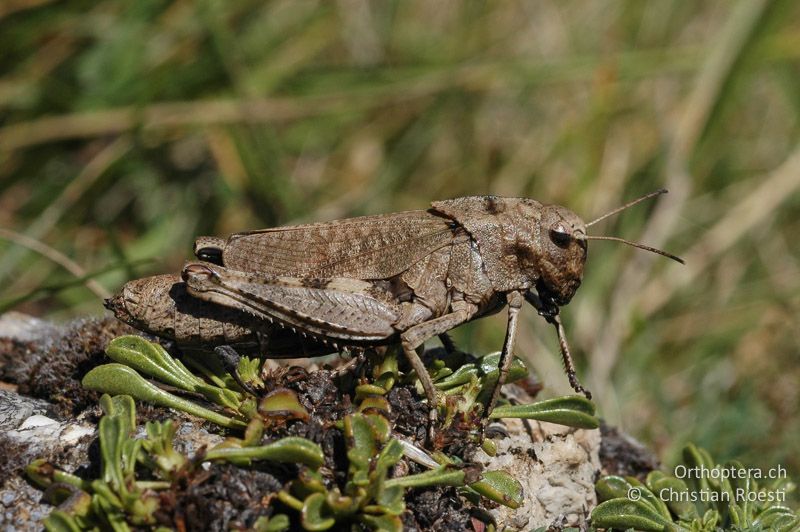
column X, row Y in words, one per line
column 418, row 334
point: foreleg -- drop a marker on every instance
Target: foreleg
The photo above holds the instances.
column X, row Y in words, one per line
column 572, row 375
column 550, row 314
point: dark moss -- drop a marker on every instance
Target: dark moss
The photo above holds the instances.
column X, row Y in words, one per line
column 14, row 359
column 13, row 457
column 437, row 509
column 409, row 415
column 53, row 365
column 622, row 455
column 223, row 498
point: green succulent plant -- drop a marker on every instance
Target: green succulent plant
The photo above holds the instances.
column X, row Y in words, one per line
column 119, row 500
column 369, row 497
column 704, row 502
column 372, row 499
column 465, row 384
column 115, row 499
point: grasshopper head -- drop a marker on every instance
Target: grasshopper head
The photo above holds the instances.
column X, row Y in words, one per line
column 563, row 254
column 563, row 250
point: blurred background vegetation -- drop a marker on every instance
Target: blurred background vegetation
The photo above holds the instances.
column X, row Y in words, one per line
column 128, row 128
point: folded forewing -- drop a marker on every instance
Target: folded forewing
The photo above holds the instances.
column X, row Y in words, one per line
column 369, row 247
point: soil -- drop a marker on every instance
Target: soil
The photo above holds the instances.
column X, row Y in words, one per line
column 52, row 366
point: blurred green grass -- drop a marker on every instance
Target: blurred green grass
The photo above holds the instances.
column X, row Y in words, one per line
column 128, row 128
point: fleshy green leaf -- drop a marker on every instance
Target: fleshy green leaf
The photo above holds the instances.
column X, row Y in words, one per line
column 59, row 521
column 362, row 446
column 612, row 487
column 489, row 447
column 777, row 517
column 489, row 367
column 249, row 369
column 695, row 457
column 391, row 500
column 442, row 476
column 341, row 504
column 314, row 515
column 69, row 499
column 118, row 379
column 151, row 359
column 113, row 434
column 625, row 513
column 391, row 453
column 158, row 444
column 43, row 474
column 288, row 450
column 365, row 390
column 276, row 523
column 386, row 371
column 645, row 495
column 571, row 410
column 500, row 487
column 381, row 429
column 120, row 405
column 375, row 403
column 388, row 523
column 282, row 402
column 675, row 494
column 460, row 376
column 290, row 500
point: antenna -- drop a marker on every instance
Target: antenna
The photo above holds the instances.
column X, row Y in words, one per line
column 629, row 204
column 634, row 244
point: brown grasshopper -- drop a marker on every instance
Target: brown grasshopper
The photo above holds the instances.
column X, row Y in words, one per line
column 405, row 277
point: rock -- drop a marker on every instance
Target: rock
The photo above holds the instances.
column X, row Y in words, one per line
column 557, row 467
column 24, row 328
column 14, row 409
column 65, row 443
column 47, row 361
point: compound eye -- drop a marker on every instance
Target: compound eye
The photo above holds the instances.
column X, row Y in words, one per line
column 560, row 236
column 210, row 254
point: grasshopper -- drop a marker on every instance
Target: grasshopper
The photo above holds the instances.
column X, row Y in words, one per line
column 406, row 277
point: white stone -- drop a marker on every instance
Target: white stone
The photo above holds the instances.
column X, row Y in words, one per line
column 35, row 421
